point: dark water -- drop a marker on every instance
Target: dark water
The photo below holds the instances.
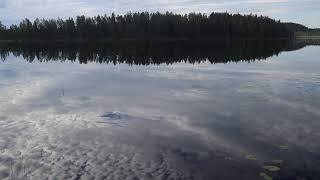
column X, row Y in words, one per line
column 246, row 110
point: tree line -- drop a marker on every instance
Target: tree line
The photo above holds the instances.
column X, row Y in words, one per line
column 144, row 25
column 148, row 53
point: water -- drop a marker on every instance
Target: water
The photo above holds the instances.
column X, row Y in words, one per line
column 166, row 119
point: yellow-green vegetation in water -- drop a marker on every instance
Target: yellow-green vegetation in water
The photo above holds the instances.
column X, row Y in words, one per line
column 284, row 147
column 277, row 161
column 271, row 168
column 265, row 176
column 251, row 157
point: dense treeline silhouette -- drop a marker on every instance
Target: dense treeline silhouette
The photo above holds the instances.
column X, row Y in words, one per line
column 296, row 27
column 303, row 31
column 147, row 53
column 146, row 25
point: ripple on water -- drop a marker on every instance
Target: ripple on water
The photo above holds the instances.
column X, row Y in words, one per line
column 114, row 118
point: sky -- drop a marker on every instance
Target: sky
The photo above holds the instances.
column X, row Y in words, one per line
column 305, row 12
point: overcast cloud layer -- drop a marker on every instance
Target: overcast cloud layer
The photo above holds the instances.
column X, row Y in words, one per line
column 97, row 121
column 300, row 11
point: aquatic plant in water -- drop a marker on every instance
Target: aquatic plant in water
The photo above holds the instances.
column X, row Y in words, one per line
column 265, row 176
column 271, row 168
column 251, row 157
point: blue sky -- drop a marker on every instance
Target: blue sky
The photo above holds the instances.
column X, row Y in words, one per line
column 306, row 12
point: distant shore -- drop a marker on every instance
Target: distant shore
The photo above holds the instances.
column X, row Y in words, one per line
column 313, row 37
column 128, row 40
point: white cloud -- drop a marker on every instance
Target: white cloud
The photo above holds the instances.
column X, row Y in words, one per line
column 14, row 11
column 11, row 11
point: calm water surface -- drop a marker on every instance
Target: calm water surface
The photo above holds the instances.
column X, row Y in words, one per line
column 244, row 120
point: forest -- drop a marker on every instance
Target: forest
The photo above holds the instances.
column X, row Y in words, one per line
column 144, row 25
column 150, row 52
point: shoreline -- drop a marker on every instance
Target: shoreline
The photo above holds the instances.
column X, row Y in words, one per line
column 306, row 37
column 128, row 40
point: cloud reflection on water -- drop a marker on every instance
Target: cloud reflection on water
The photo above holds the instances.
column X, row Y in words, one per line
column 175, row 122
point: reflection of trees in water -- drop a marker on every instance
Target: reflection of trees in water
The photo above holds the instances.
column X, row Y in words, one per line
column 145, row 53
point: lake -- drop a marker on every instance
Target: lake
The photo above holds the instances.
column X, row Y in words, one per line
column 247, row 110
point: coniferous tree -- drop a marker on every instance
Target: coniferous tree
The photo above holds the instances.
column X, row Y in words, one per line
column 2, row 27
column 149, row 26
